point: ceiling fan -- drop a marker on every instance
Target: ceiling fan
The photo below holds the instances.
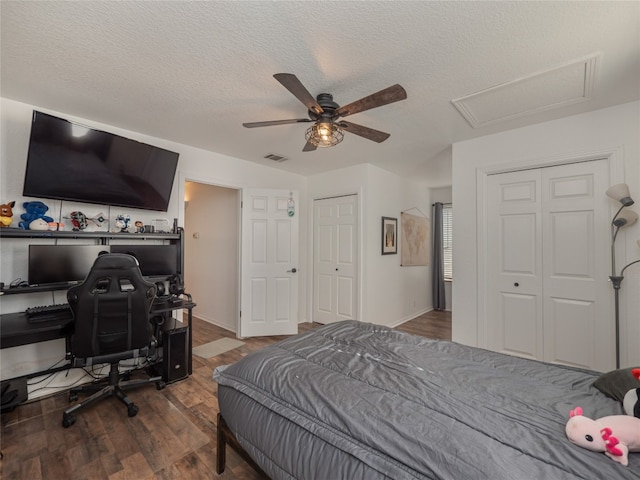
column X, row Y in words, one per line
column 327, row 130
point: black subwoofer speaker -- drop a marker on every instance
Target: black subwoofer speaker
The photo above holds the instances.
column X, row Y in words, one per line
column 175, row 355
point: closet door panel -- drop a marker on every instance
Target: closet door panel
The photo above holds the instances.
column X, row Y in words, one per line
column 514, row 286
column 578, row 323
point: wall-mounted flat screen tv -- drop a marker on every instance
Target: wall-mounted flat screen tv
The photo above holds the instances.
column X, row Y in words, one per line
column 69, row 161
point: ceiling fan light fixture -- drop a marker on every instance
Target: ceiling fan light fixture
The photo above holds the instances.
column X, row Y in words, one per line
column 324, row 134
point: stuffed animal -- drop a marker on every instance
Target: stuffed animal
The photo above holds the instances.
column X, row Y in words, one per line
column 615, row 435
column 39, row 224
column 6, row 214
column 78, row 220
column 35, row 211
column 631, row 401
column 122, row 222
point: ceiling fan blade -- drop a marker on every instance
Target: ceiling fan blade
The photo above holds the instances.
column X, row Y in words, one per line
column 309, row 147
column 366, row 132
column 291, row 83
column 383, row 97
column 276, row 122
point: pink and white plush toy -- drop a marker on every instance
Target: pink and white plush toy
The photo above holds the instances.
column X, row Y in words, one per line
column 615, row 435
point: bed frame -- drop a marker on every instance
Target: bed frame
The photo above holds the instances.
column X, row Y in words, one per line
column 226, row 437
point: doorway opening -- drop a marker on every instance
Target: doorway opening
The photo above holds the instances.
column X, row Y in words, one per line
column 212, row 251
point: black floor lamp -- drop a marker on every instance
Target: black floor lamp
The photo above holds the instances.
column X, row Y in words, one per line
column 622, row 218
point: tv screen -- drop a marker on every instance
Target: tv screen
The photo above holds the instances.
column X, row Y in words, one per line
column 68, row 161
column 53, row 264
column 154, row 260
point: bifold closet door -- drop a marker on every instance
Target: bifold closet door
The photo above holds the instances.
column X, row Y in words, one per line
column 547, row 292
column 514, row 264
column 578, row 316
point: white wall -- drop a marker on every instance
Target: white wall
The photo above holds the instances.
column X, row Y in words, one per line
column 615, row 129
column 194, row 164
column 391, row 294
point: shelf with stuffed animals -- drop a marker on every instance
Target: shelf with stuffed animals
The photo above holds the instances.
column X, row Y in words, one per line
column 102, row 240
column 20, row 233
column 35, row 223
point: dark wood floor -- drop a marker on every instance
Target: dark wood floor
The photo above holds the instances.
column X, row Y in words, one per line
column 172, row 437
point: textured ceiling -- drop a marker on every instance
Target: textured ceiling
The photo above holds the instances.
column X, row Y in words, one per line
column 193, row 72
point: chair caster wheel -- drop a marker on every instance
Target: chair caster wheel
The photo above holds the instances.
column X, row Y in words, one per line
column 132, row 410
column 68, row 419
column 73, row 396
column 160, row 385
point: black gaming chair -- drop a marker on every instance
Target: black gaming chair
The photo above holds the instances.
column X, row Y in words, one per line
column 111, row 323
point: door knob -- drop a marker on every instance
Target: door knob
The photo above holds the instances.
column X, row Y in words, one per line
column 293, row 270
column 516, row 284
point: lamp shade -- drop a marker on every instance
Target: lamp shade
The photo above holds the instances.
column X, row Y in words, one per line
column 620, row 193
column 324, row 134
column 625, row 218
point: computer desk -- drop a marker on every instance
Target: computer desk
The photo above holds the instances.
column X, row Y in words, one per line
column 16, row 330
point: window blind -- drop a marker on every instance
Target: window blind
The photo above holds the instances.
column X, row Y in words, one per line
column 447, row 241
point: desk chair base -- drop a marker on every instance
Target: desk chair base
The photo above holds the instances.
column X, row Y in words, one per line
column 115, row 386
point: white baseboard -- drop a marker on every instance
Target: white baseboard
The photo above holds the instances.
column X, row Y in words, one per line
column 217, row 323
column 411, row 316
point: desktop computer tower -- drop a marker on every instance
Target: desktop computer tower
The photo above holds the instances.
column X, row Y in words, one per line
column 175, row 354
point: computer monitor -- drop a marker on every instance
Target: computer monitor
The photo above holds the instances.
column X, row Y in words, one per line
column 60, row 264
column 154, row 260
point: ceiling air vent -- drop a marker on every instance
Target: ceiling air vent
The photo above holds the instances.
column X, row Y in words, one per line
column 276, row 158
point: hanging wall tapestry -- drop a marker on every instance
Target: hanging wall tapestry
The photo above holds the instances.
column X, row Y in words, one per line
column 415, row 240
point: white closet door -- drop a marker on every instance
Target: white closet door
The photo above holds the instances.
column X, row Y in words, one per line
column 514, row 319
column 335, row 273
column 577, row 316
column 548, row 296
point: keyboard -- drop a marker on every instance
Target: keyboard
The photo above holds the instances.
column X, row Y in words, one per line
column 47, row 313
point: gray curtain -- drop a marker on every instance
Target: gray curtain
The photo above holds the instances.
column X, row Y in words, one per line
column 437, row 283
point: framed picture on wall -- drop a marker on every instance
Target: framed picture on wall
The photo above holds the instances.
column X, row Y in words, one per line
column 389, row 236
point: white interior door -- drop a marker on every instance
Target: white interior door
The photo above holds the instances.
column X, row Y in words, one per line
column 335, row 272
column 269, row 283
column 514, row 319
column 548, row 296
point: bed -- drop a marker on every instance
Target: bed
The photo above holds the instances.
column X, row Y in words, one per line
column 353, row 400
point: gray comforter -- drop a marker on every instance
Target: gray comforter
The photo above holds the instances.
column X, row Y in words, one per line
column 354, row 400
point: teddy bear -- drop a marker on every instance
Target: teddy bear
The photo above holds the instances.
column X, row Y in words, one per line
column 6, row 214
column 34, row 211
